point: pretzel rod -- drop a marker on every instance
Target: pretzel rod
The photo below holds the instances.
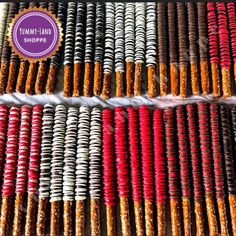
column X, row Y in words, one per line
column 174, row 81
column 30, row 224
column 163, row 79
column 30, row 82
column 77, row 79
column 124, row 216
column 106, row 84
column 161, row 218
column 111, row 220
column 41, row 217
column 95, row 216
column 3, row 75
column 149, row 224
column 198, row 209
column 175, row 217
column 138, row 214
column 5, row 214
column 183, row 80
column 22, row 76
column 194, row 79
column 215, row 79
column 12, row 76
column 138, row 78
column 151, row 81
column 80, row 218
column 186, row 215
column 119, row 83
column 222, row 216
column 18, row 213
column 68, row 218
column 88, row 75
column 129, row 78
column 51, row 80
column 232, row 206
column 68, row 77
column 97, row 78
column 55, row 218
column 204, row 70
column 41, row 77
column 226, row 82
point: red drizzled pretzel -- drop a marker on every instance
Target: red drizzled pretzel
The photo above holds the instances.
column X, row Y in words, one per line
column 9, row 168
column 218, row 170
column 22, row 167
column 122, row 167
column 204, row 134
column 109, row 170
column 3, row 132
column 135, row 166
column 145, row 122
column 33, row 171
column 213, row 47
column 232, row 29
column 184, row 168
column 224, row 48
column 160, row 170
column 196, row 168
column 173, row 178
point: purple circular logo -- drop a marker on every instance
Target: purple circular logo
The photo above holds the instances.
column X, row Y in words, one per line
column 35, row 34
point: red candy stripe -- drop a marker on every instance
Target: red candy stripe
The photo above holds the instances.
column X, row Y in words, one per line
column 205, row 144
column 11, row 152
column 109, row 167
column 216, row 151
column 172, row 153
column 122, row 161
column 213, row 32
column 194, row 150
column 23, row 151
column 223, row 35
column 232, row 27
column 183, row 151
column 160, row 158
column 147, row 152
column 3, row 135
column 135, row 158
column 34, row 160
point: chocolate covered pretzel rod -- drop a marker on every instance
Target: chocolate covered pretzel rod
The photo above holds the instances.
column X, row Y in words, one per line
column 109, row 49
column 69, row 48
column 196, row 167
column 213, row 47
column 82, row 163
column 173, row 52
column 9, row 169
column 22, row 168
column 56, row 58
column 89, row 49
column 160, row 171
column 6, row 49
column 204, row 134
column 119, row 48
column 33, row 170
column 129, row 46
column 151, row 54
column 225, row 60
column 202, row 42
column 99, row 47
column 218, row 168
column 140, row 25
column 79, row 48
column 109, row 170
column 192, row 38
column 173, row 175
column 56, row 181
column 69, row 170
column 95, row 151
column 135, row 167
column 45, row 167
column 147, row 167
column 162, row 45
column 122, row 169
